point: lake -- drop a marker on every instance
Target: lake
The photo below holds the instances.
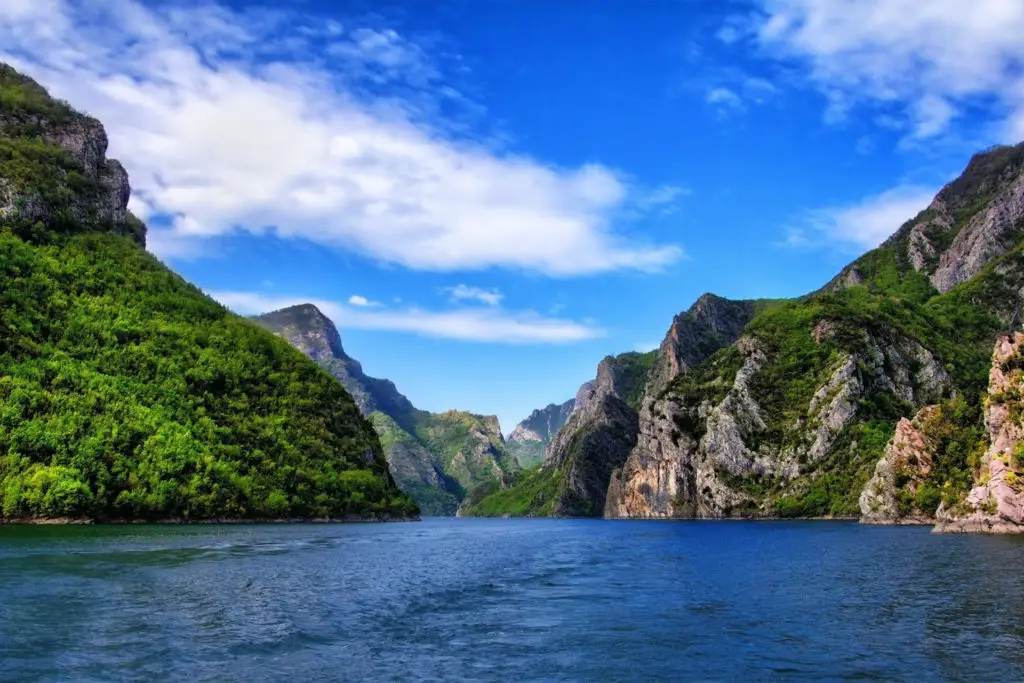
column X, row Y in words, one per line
column 509, row 600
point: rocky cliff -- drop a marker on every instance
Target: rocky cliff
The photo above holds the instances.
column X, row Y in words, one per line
column 530, row 438
column 899, row 491
column 816, row 396
column 974, row 219
column 435, row 458
column 54, row 168
column 995, row 504
column 602, row 428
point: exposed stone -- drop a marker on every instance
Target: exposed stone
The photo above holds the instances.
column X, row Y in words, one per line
column 996, row 503
column 99, row 199
column 900, row 472
column 709, row 324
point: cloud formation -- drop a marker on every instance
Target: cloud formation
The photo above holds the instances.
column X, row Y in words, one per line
column 362, row 301
column 864, row 224
column 929, row 59
column 265, row 122
column 466, row 293
column 490, row 324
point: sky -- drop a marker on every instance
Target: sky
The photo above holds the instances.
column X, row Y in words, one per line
column 489, row 196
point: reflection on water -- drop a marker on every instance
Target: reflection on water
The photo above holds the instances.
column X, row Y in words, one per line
column 506, row 600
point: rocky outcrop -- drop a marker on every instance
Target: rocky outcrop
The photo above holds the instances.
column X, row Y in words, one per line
column 698, row 445
column 84, row 188
column 996, row 503
column 307, row 329
column 711, row 323
column 543, row 423
column 893, row 495
column 597, row 436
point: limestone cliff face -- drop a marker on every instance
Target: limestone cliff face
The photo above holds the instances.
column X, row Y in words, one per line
column 602, row 427
column 974, row 220
column 435, row 458
column 83, row 188
column 792, row 419
column 996, row 503
column 703, row 437
column 711, row 323
column 891, row 495
column 543, row 423
column 597, row 436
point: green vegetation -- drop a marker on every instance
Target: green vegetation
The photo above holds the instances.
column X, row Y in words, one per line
column 806, row 340
column 635, row 367
column 125, row 393
column 413, row 467
column 528, row 454
column 532, row 494
column 483, row 454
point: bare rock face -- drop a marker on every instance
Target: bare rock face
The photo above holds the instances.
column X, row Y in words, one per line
column 971, row 222
column 85, row 188
column 597, row 437
column 888, row 497
column 989, row 233
column 689, row 457
column 674, row 470
column 307, row 329
column 711, row 323
column 996, row 503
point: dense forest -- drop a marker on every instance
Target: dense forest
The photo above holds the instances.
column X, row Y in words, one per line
column 125, row 393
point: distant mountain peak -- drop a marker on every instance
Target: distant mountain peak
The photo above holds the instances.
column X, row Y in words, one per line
column 306, row 328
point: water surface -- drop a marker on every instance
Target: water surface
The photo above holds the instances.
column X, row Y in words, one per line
column 509, row 600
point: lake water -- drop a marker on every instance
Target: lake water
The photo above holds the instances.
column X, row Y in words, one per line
column 509, row 600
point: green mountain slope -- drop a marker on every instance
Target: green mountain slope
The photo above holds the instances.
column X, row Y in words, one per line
column 434, row 457
column 125, row 393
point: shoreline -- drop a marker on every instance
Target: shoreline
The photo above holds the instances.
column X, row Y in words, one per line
column 174, row 521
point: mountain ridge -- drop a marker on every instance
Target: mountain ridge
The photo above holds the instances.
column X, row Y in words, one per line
column 435, row 457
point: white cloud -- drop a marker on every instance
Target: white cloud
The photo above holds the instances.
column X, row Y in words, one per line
column 362, row 301
column 258, row 122
column 864, row 224
column 644, row 347
column 725, row 97
column 662, row 200
column 467, row 293
column 492, row 325
column 929, row 57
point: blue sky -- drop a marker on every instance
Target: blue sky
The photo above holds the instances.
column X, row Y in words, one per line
column 490, row 196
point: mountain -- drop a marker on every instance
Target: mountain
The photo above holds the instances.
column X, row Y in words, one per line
column 125, row 393
column 603, row 425
column 871, row 392
column 530, row 438
column 434, row 457
column 793, row 418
